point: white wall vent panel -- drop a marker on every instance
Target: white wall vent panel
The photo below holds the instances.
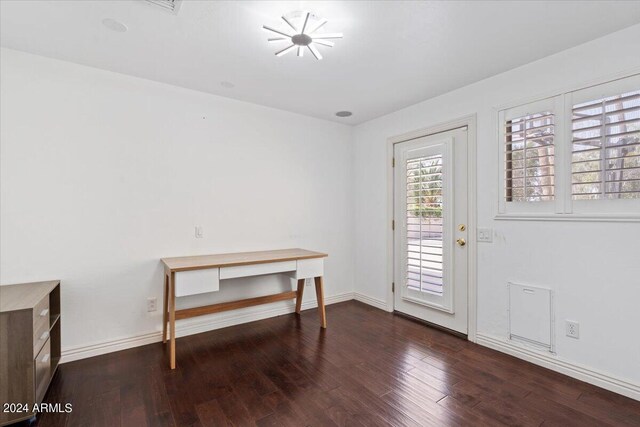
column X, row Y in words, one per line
column 169, row 5
column 531, row 315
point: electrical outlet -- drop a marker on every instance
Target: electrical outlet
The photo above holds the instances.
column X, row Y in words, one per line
column 199, row 232
column 308, row 282
column 152, row 304
column 573, row 329
column 485, row 235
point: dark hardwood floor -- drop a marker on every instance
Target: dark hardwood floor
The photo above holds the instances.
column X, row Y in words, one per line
column 370, row 368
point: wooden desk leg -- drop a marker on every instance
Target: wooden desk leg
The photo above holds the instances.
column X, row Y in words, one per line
column 172, row 318
column 320, row 295
column 299, row 296
column 165, row 309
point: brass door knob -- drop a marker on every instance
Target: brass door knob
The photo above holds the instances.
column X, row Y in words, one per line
column 461, row 242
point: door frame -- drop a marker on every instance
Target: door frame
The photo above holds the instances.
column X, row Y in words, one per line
column 472, row 273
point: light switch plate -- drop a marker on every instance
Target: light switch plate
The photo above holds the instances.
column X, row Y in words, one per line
column 199, row 232
column 485, row 235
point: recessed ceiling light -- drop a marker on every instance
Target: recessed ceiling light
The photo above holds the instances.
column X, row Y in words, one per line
column 344, row 113
column 301, row 33
column 226, row 84
column 114, row 25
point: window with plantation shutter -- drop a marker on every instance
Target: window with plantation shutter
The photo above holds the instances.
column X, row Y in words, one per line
column 529, row 158
column 575, row 155
column 605, row 138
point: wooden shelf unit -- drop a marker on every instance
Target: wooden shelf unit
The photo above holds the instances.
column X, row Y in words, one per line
column 29, row 344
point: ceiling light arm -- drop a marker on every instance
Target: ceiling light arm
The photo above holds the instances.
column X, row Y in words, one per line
column 314, row 51
column 324, row 42
column 328, row 36
column 273, row 30
column 306, row 21
column 320, row 25
column 293, row 27
column 285, row 50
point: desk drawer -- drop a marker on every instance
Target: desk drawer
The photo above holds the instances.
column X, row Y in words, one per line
column 41, row 315
column 257, row 269
column 41, row 311
column 308, row 268
column 197, row 282
column 43, row 370
column 40, row 336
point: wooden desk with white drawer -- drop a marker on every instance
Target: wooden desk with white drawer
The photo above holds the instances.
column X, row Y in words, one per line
column 201, row 274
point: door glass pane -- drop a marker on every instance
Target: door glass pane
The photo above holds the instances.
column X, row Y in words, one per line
column 424, row 224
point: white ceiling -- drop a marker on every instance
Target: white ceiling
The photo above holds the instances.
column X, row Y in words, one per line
column 393, row 54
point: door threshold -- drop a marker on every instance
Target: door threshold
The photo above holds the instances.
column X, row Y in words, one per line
column 431, row 325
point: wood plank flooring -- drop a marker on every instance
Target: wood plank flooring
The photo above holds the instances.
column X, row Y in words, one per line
column 370, row 368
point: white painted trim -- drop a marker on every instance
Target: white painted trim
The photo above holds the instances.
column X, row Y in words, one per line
column 567, row 217
column 390, row 217
column 555, row 363
column 472, row 206
column 186, row 328
column 375, row 302
column 471, row 122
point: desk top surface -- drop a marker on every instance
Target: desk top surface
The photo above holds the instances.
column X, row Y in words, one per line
column 235, row 259
column 24, row 295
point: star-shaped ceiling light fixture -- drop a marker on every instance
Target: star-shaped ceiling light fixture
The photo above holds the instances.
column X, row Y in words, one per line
column 301, row 32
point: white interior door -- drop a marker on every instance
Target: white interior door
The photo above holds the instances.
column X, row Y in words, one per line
column 430, row 214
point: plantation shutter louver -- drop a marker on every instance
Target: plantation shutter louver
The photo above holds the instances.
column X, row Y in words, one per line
column 606, row 148
column 529, row 158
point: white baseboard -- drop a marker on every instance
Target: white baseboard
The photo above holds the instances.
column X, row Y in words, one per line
column 378, row 303
column 187, row 327
column 557, row 364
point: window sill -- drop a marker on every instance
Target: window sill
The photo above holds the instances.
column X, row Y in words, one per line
column 567, row 217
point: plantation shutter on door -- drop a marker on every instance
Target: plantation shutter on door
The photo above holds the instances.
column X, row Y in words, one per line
column 424, row 224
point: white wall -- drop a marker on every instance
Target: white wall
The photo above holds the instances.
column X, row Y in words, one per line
column 103, row 174
column 593, row 268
